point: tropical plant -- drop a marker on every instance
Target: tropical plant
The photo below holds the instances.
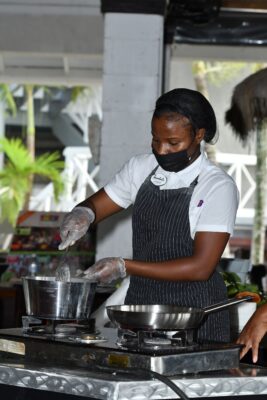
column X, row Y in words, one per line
column 29, row 90
column 14, row 178
column 236, row 288
column 6, row 96
column 30, row 135
column 248, row 118
column 216, row 73
column 234, row 284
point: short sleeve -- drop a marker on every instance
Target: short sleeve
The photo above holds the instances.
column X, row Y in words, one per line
column 123, row 188
column 119, row 188
column 216, row 211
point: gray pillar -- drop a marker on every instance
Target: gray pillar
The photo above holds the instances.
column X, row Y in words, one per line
column 133, row 47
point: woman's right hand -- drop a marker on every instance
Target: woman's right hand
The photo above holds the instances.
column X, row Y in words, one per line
column 75, row 224
column 253, row 333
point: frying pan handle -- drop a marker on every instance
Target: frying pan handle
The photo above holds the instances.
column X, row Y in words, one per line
column 225, row 304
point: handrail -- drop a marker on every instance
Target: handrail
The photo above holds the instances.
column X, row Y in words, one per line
column 241, row 168
column 79, row 182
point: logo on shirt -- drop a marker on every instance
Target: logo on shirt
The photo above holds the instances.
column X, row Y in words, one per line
column 200, row 203
column 158, row 179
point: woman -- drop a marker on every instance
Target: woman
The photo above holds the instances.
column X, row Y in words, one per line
column 253, row 333
column 184, row 209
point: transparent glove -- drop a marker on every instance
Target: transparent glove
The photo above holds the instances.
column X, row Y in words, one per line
column 75, row 224
column 106, row 270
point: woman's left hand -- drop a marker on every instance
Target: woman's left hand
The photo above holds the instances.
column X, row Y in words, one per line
column 106, row 270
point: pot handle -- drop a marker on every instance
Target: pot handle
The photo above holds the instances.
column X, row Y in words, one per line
column 225, row 304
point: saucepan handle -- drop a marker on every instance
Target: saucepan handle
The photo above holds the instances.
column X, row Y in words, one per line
column 225, row 304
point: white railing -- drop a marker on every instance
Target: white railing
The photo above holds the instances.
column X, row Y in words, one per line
column 79, row 183
column 241, row 168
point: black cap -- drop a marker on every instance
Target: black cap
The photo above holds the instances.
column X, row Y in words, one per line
column 193, row 105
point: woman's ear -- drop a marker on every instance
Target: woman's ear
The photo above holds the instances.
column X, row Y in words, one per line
column 200, row 134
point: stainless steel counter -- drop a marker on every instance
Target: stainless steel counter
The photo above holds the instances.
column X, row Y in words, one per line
column 245, row 381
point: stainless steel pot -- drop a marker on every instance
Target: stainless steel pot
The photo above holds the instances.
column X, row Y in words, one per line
column 163, row 317
column 47, row 298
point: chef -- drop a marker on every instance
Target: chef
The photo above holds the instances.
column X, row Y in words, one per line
column 184, row 210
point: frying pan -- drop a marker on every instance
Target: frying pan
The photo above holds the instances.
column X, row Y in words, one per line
column 164, row 317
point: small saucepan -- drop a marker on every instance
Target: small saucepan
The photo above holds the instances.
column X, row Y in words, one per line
column 164, row 317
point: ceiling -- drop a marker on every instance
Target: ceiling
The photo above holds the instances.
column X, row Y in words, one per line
column 61, row 41
column 51, row 41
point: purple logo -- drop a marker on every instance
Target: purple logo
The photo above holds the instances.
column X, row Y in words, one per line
column 200, row 203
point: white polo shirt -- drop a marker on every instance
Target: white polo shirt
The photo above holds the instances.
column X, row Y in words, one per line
column 214, row 201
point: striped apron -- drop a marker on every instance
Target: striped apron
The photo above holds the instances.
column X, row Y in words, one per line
column 161, row 232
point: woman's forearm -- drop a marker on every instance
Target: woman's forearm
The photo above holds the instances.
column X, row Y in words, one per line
column 102, row 205
column 208, row 248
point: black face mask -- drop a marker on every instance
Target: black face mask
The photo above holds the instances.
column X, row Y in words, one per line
column 173, row 162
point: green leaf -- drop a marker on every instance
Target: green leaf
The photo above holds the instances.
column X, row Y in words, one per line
column 231, row 291
column 6, row 96
column 14, row 177
column 234, row 285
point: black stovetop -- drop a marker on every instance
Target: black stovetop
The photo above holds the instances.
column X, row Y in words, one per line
column 109, row 342
column 64, row 351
